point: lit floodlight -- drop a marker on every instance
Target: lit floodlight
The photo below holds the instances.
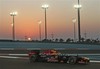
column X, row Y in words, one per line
column 77, row 6
column 13, row 13
column 45, row 6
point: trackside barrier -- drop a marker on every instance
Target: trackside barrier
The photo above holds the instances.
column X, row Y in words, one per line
column 6, row 48
column 47, row 48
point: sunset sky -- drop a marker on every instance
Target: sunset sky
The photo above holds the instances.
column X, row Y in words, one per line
column 59, row 18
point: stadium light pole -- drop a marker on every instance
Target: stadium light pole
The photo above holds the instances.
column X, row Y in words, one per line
column 45, row 7
column 13, row 14
column 40, row 29
column 78, row 7
column 74, row 21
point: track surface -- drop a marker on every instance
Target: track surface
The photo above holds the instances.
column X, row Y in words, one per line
column 24, row 64
column 62, row 51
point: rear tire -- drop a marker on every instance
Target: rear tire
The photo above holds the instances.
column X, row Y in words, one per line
column 72, row 60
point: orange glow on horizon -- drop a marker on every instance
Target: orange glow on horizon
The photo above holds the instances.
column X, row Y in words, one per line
column 59, row 18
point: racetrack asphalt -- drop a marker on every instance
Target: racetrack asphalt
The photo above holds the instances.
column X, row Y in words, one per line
column 25, row 64
column 6, row 63
column 62, row 51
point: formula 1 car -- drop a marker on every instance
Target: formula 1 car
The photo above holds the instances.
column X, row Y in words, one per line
column 54, row 56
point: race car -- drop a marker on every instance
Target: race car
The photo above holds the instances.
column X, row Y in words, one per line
column 55, row 56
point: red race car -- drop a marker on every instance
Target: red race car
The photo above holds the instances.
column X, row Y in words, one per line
column 54, row 56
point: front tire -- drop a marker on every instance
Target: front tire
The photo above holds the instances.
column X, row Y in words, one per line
column 32, row 58
column 87, row 62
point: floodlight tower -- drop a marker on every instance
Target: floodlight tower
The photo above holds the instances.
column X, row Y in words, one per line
column 13, row 14
column 45, row 7
column 40, row 29
column 78, row 7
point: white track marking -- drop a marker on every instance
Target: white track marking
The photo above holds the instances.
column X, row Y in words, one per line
column 86, row 54
column 8, row 57
column 93, row 61
column 13, row 54
column 13, row 57
column 18, row 54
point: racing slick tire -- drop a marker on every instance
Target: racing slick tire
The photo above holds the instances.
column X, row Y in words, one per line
column 32, row 58
column 87, row 62
column 72, row 60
